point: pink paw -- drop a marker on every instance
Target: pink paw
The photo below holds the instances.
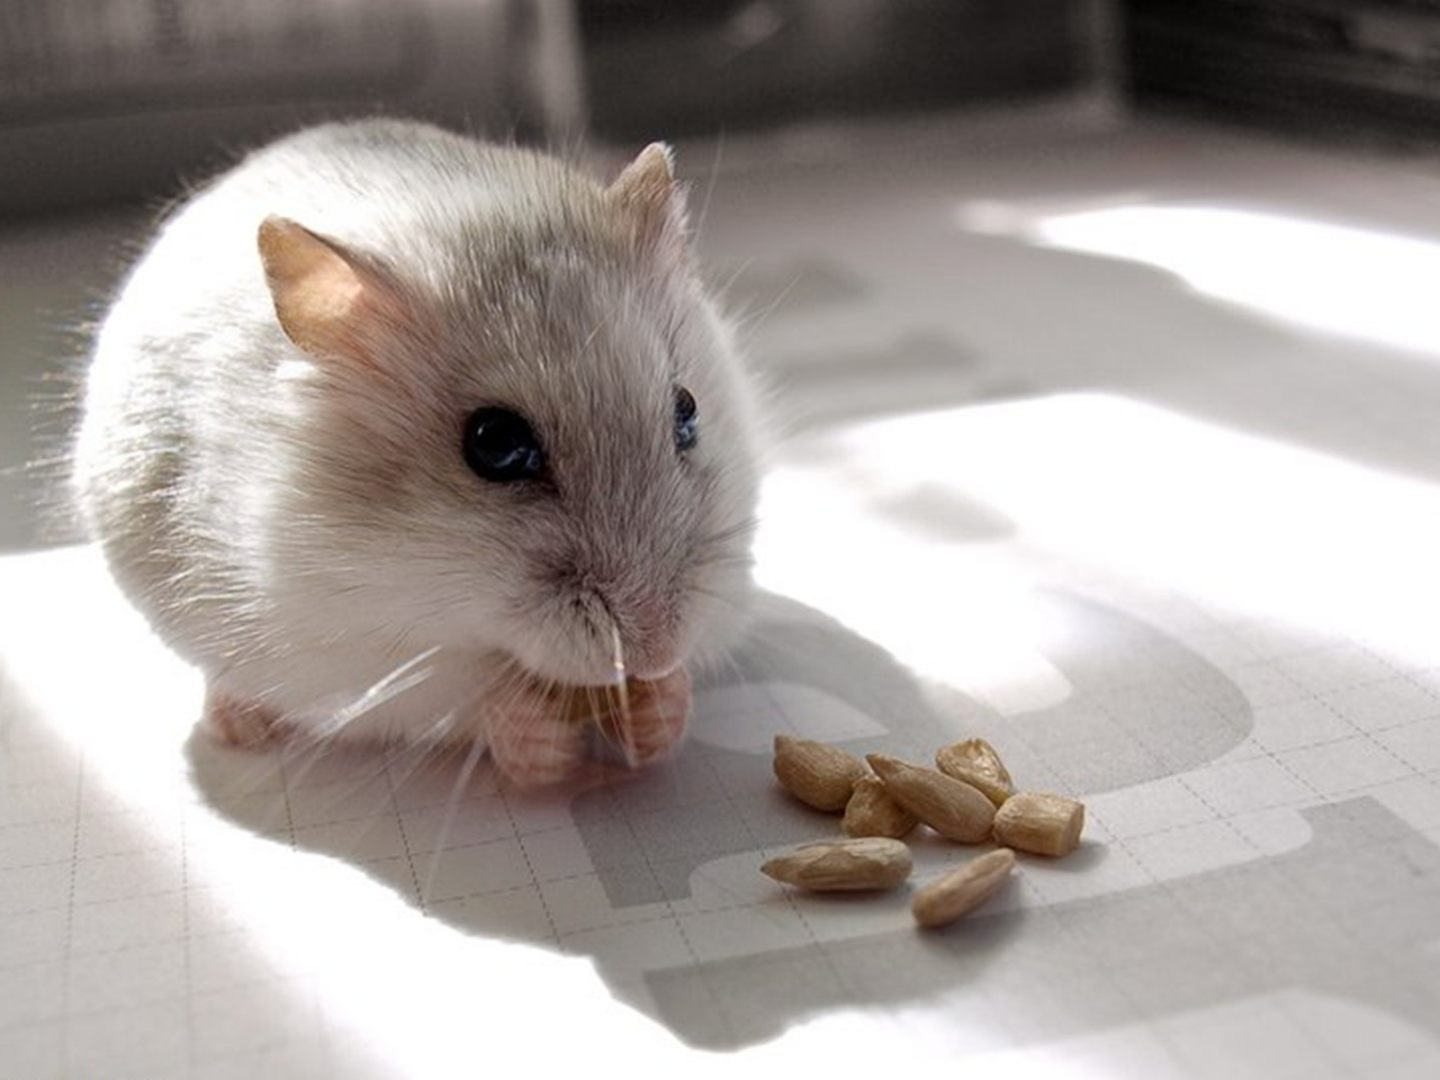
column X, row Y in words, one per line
column 241, row 724
column 657, row 715
column 533, row 743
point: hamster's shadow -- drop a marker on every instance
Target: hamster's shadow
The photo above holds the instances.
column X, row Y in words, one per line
column 655, row 877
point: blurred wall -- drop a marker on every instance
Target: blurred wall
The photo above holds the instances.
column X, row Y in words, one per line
column 103, row 100
column 702, row 66
column 1366, row 69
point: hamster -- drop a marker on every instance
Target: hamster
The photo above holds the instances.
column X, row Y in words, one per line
column 395, row 434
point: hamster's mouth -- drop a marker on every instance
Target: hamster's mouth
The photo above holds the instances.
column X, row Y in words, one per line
column 597, row 673
column 591, row 683
column 557, row 689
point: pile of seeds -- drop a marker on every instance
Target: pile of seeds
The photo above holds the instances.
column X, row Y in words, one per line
column 968, row 799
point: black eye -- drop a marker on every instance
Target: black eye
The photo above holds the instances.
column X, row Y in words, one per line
column 687, row 425
column 500, row 446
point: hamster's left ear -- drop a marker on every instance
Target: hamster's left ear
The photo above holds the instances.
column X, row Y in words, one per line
column 329, row 304
column 647, row 189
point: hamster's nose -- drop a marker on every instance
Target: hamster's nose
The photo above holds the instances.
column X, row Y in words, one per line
column 650, row 639
column 650, row 615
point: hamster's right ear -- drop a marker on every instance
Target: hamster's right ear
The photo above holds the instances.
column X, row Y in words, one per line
column 328, row 304
column 648, row 190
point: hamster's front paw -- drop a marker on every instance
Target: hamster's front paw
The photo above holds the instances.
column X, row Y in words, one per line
column 242, row 724
column 532, row 743
column 538, row 739
column 658, row 712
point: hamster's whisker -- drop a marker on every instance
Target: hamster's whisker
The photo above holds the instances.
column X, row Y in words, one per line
column 618, row 663
column 556, row 750
column 720, row 599
column 728, row 662
column 300, row 757
column 477, row 748
column 720, row 561
column 750, row 322
column 403, row 677
column 710, row 186
column 735, row 531
column 621, row 690
column 318, row 745
column 511, row 682
column 771, row 653
column 426, row 746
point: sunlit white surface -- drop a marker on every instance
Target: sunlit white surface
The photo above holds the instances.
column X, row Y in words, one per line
column 1358, row 282
column 1236, row 521
column 946, row 610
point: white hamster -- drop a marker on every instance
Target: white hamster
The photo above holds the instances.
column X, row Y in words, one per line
column 393, row 433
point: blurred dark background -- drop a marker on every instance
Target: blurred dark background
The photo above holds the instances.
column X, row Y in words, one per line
column 104, row 100
column 107, row 99
column 707, row 65
column 1349, row 68
column 110, row 99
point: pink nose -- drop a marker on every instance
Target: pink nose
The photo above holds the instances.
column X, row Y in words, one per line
column 650, row 615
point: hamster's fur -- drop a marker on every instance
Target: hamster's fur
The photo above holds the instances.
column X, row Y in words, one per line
column 298, row 519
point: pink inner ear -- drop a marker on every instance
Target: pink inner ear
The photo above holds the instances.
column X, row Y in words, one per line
column 325, row 303
column 647, row 189
column 649, row 180
column 331, row 296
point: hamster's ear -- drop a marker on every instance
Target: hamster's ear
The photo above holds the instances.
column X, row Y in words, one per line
column 648, row 190
column 328, row 304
